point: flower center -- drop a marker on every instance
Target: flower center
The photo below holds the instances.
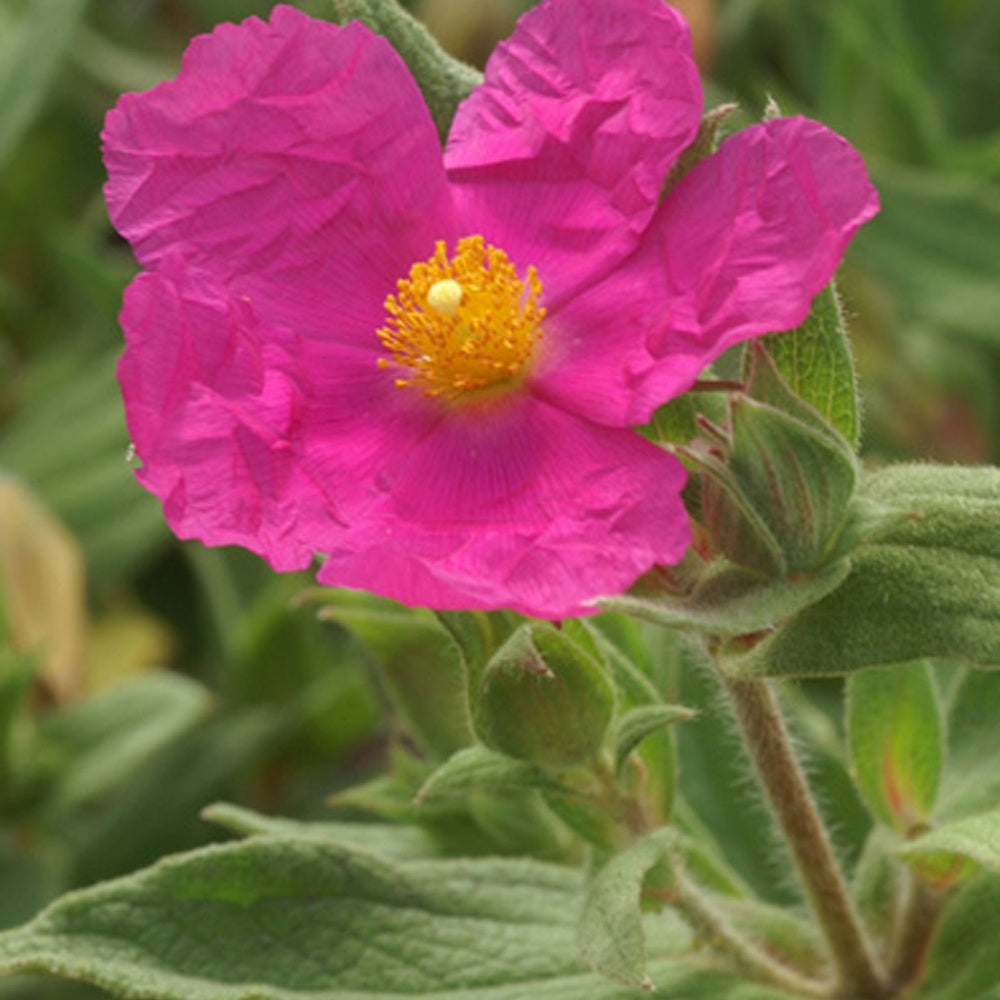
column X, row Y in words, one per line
column 462, row 323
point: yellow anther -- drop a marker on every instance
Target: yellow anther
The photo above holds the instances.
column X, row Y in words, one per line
column 462, row 323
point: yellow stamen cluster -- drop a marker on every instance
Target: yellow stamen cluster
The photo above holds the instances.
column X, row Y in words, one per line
column 463, row 323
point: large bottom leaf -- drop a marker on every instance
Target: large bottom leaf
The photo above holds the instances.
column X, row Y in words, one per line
column 279, row 918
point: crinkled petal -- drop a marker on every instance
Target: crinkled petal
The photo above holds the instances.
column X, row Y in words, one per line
column 291, row 153
column 751, row 234
column 225, row 408
column 739, row 249
column 524, row 507
column 560, row 156
column 594, row 360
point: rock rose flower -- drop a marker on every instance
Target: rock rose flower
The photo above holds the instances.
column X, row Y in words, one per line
column 425, row 368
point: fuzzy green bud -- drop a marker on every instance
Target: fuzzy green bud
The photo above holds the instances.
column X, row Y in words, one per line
column 776, row 491
column 544, row 699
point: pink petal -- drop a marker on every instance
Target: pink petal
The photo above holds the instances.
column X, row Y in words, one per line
column 219, row 403
column 520, row 506
column 294, row 148
column 594, row 360
column 739, row 249
column 561, row 154
column 751, row 234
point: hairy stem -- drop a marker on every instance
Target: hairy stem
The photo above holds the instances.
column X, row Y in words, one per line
column 705, row 919
column 860, row 973
column 626, row 809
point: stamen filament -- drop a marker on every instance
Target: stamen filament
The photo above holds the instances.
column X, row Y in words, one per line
column 462, row 324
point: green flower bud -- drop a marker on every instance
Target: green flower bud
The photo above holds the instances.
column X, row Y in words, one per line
column 777, row 486
column 544, row 699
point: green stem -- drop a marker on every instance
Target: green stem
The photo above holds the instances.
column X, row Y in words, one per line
column 859, row 971
column 705, row 919
column 697, row 909
column 626, row 810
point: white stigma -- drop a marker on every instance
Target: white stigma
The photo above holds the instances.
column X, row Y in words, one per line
column 445, row 296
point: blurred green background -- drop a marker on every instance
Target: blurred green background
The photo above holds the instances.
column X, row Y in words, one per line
column 141, row 679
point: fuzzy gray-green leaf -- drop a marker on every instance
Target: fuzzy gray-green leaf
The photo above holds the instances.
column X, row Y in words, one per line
column 927, row 587
column 286, row 918
column 478, row 768
column 611, row 935
column 389, row 840
column 637, row 724
column 895, row 735
column 733, row 601
column 975, row 837
column 815, row 360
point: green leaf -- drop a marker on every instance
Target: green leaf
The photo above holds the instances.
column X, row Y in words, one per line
column 815, row 360
column 502, row 796
column 280, row 918
column 506, row 821
column 419, row 662
column 17, row 671
column 927, row 587
column 765, row 382
column 675, row 422
column 737, row 528
column 879, row 885
column 478, row 635
column 478, row 768
column 733, row 601
column 611, row 936
column 619, row 645
column 515, row 823
column 971, row 780
column 93, row 745
column 388, row 840
column 702, row 857
column 934, row 243
column 627, row 657
column 975, row 837
column 29, row 65
column 895, row 736
column 28, row 880
column 69, row 442
column 444, row 80
column 636, row 725
column 155, row 809
column 614, row 938
column 736, row 839
column 964, row 961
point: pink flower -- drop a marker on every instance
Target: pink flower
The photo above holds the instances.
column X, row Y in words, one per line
column 424, row 368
